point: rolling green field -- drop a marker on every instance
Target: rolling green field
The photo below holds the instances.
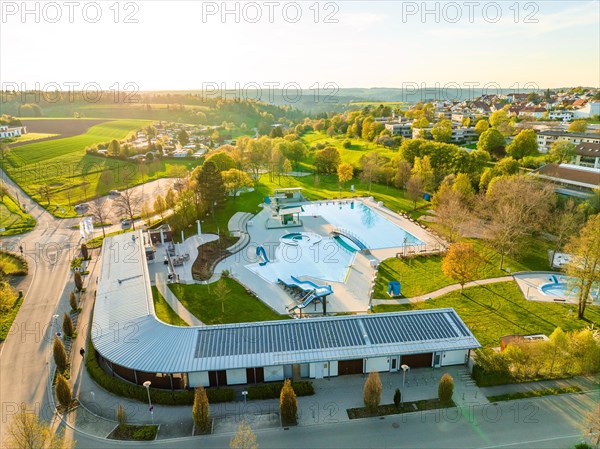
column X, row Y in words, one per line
column 73, row 176
column 351, row 155
column 13, row 219
column 494, row 310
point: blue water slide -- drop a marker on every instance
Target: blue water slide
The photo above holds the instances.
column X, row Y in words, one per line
column 261, row 253
column 308, row 286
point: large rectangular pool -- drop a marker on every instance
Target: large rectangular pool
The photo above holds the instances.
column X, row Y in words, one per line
column 358, row 220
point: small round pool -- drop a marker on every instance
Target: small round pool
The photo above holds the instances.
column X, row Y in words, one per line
column 297, row 238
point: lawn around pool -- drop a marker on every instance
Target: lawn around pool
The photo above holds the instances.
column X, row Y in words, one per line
column 163, row 310
column 240, row 306
column 423, row 274
column 494, row 310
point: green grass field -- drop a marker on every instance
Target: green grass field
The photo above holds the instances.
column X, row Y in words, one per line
column 30, row 137
column 351, row 155
column 73, row 176
column 13, row 219
column 422, row 275
column 12, row 264
column 240, row 306
column 163, row 310
column 494, row 310
column 7, row 318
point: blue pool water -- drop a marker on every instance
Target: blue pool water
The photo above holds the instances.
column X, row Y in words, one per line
column 372, row 229
column 559, row 289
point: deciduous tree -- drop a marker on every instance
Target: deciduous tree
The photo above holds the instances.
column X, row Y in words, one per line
column 493, row 142
column 345, row 173
column 244, row 438
column 25, row 431
column 67, row 325
column 562, row 151
column 288, row 403
column 577, row 126
column 446, row 389
column 372, row 391
column 235, row 180
column 327, row 160
column 200, row 410
column 63, row 391
column 99, row 211
column 59, row 353
column 584, row 264
column 524, row 144
column 128, row 204
column 462, row 263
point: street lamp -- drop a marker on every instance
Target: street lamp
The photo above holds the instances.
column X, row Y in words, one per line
column 405, row 368
column 55, row 318
column 150, row 406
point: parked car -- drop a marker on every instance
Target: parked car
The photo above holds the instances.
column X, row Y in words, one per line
column 126, row 223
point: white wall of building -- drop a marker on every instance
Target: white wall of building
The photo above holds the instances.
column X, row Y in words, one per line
column 377, row 364
column 199, row 379
column 236, row 376
column 454, row 357
column 273, row 373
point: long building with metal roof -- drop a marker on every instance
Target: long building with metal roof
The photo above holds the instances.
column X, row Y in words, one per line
column 134, row 344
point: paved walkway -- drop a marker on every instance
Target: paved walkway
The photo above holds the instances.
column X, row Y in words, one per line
column 442, row 291
column 180, row 309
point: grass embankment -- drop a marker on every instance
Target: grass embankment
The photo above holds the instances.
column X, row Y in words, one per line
column 13, row 219
column 494, row 310
column 423, row 274
column 163, row 310
column 240, row 306
column 10, row 265
column 534, row 393
column 134, row 432
column 73, row 176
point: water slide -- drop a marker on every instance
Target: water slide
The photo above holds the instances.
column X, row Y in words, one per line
column 262, row 254
column 313, row 290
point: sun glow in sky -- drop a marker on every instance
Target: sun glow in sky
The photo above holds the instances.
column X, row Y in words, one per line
column 184, row 45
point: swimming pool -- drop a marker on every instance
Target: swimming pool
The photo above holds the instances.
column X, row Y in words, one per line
column 371, row 229
column 559, row 287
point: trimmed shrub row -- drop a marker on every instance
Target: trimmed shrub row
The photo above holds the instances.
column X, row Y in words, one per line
column 273, row 390
column 138, row 392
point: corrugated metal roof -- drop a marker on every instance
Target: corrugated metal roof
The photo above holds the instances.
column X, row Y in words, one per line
column 127, row 332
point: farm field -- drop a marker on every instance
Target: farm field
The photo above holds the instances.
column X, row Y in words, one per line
column 13, row 219
column 30, row 137
column 73, row 176
column 494, row 310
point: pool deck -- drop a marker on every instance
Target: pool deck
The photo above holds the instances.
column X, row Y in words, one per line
column 529, row 283
column 353, row 295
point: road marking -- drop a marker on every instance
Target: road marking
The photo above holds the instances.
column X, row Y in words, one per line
column 523, row 443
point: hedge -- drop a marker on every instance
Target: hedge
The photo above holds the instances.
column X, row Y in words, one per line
column 273, row 390
column 138, row 392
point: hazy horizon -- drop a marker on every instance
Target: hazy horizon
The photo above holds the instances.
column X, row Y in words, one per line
column 185, row 45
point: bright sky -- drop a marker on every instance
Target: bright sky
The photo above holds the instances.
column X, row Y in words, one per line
column 181, row 45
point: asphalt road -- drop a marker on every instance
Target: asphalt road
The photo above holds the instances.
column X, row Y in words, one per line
column 550, row 422
column 23, row 356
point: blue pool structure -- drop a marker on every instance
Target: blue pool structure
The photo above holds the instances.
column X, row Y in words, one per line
column 361, row 224
column 559, row 287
